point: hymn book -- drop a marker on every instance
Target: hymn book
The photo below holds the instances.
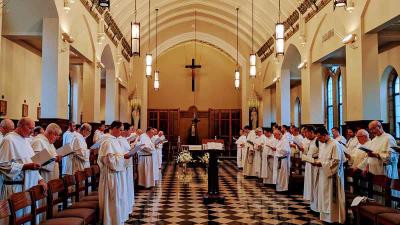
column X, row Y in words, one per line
column 250, row 142
column 43, row 158
column 365, row 149
column 135, row 149
column 65, row 150
column 132, row 138
column 95, row 145
column 306, row 158
column 396, row 148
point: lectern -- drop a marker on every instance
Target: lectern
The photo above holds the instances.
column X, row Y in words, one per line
column 213, row 194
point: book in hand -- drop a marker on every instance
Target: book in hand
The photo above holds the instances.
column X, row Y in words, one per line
column 306, row 158
column 396, row 148
column 364, row 149
column 146, row 150
column 135, row 149
column 132, row 138
column 159, row 141
column 43, row 158
column 95, row 145
column 65, row 150
column 250, row 142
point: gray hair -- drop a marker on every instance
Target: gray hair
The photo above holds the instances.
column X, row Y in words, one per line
column 7, row 124
column 363, row 132
column 86, row 127
column 53, row 128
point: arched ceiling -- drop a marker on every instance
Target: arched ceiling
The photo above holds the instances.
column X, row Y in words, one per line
column 217, row 17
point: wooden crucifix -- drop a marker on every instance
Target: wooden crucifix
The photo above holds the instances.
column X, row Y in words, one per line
column 193, row 66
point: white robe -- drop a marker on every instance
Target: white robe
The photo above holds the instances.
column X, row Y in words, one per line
column 65, row 162
column 281, row 174
column 97, row 135
column 80, row 159
column 248, row 168
column 16, row 151
column 154, row 156
column 240, row 150
column 298, row 140
column 311, row 176
column 342, row 140
column 352, row 144
column 130, row 184
column 331, row 198
column 267, row 166
column 358, row 156
column 51, row 171
column 259, row 149
column 112, row 184
column 159, row 149
column 146, row 172
column 387, row 164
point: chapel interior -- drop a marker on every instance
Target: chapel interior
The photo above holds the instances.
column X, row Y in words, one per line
column 246, row 77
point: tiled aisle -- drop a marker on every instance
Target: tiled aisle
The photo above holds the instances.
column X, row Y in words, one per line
column 178, row 200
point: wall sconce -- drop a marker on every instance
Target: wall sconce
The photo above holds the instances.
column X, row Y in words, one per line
column 349, row 39
column 302, row 65
column 276, row 79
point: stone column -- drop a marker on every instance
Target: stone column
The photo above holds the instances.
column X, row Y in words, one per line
column 267, row 114
column 283, row 98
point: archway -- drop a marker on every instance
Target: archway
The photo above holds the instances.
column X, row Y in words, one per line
column 389, row 97
column 108, row 87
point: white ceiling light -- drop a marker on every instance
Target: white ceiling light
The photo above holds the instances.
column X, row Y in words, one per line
column 149, row 57
column 237, row 71
column 349, row 39
column 280, row 34
column 253, row 69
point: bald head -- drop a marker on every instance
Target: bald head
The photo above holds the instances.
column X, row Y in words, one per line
column 362, row 136
column 6, row 126
column 375, row 127
column 25, row 127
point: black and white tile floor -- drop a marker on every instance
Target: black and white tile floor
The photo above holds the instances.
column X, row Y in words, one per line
column 178, row 200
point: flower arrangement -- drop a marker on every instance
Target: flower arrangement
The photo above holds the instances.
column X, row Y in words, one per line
column 184, row 157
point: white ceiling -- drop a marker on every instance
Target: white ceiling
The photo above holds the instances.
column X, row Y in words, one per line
column 219, row 14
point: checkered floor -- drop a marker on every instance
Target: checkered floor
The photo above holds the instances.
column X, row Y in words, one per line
column 178, row 200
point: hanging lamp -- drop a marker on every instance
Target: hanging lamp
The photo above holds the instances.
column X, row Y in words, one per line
column 237, row 71
column 135, row 36
column 253, row 69
column 149, row 57
column 156, row 72
column 280, row 34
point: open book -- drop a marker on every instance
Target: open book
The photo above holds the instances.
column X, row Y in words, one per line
column 306, row 158
column 364, row 149
column 250, row 142
column 159, row 141
column 43, row 158
column 135, row 149
column 132, row 138
column 65, row 150
column 95, row 145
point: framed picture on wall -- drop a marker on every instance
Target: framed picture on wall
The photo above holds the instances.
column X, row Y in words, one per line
column 39, row 112
column 24, row 110
column 3, row 107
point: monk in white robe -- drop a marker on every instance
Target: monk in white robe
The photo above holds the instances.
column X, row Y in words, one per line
column 129, row 172
column 259, row 144
column 357, row 156
column 45, row 142
column 80, row 158
column 331, row 198
column 268, row 158
column 18, row 172
column 154, row 155
column 248, row 167
column 281, row 162
column 159, row 148
column 112, row 184
column 338, row 137
column 296, row 144
column 383, row 159
column 6, row 126
column 99, row 133
column 240, row 145
column 146, row 176
column 66, row 163
column 311, row 151
column 352, row 143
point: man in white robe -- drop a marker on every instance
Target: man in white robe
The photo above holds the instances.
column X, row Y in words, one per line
column 240, row 145
column 331, row 198
column 146, row 173
column 129, row 169
column 383, row 159
column 268, row 158
column 352, row 143
column 357, row 156
column 297, row 142
column 113, row 202
column 338, row 137
column 67, row 138
column 159, row 148
column 45, row 142
column 259, row 144
column 99, row 133
column 18, row 172
column 80, row 158
column 311, row 151
column 248, row 168
column 154, row 155
column 6, row 126
column 281, row 171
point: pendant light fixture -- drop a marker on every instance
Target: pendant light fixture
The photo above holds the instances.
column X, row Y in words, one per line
column 156, row 72
column 280, row 34
column 339, row 3
column 237, row 71
column 149, row 57
column 253, row 70
column 135, row 36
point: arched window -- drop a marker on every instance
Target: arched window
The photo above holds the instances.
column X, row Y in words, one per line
column 329, row 104
column 340, row 101
column 394, row 103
